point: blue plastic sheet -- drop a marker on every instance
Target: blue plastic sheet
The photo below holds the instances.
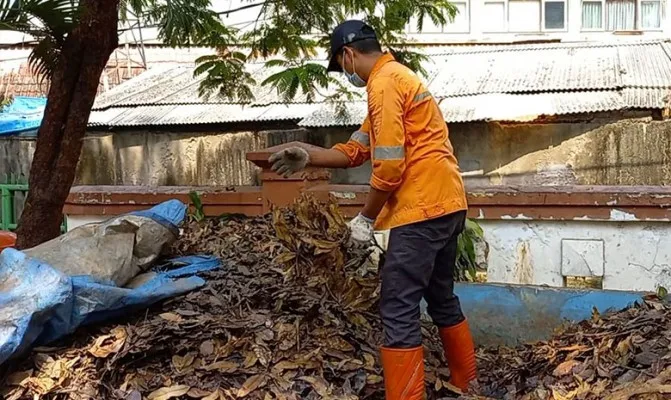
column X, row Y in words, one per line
column 41, row 304
column 24, row 113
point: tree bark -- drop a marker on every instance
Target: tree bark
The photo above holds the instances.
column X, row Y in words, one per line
column 74, row 85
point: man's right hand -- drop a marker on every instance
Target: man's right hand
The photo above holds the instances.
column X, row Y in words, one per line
column 289, row 161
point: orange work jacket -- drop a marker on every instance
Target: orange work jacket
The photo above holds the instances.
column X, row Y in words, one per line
column 406, row 139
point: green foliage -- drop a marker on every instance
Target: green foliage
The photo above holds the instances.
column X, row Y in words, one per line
column 289, row 32
column 466, row 267
column 220, row 69
column 285, row 31
column 48, row 21
column 5, row 101
column 196, row 211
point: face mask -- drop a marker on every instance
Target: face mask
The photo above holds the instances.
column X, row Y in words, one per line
column 353, row 78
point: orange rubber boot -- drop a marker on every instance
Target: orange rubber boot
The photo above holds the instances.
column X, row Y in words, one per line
column 403, row 373
column 460, row 354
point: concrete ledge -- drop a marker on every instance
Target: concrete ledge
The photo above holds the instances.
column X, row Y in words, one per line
column 600, row 203
column 116, row 200
column 558, row 203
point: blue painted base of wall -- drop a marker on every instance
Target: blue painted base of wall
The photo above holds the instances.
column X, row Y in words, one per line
column 510, row 315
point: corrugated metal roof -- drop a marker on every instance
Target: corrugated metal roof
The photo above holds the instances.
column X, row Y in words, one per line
column 194, row 114
column 511, row 107
column 644, row 66
column 522, row 107
column 527, row 71
column 472, row 83
column 327, row 115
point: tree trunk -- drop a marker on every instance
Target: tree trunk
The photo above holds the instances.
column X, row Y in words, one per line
column 73, row 89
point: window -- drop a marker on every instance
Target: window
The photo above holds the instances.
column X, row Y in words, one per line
column 621, row 15
column 461, row 20
column 554, row 15
column 592, row 15
column 651, row 14
column 495, row 16
column 524, row 16
column 461, row 23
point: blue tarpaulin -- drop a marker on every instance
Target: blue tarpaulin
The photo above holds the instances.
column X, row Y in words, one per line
column 41, row 304
column 24, row 113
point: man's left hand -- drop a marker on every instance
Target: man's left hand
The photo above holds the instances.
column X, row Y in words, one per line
column 361, row 231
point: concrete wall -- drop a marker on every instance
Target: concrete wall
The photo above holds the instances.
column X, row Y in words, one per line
column 16, row 154
column 626, row 254
column 158, row 158
column 629, row 152
column 600, row 151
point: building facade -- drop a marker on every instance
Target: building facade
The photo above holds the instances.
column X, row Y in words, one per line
column 565, row 20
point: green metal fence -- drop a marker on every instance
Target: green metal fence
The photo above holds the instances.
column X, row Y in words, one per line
column 8, row 214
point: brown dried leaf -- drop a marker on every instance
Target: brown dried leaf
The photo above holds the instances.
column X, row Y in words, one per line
column 182, row 363
column 222, row 366
column 251, row 384
column 565, row 368
column 172, row 317
column 40, row 386
column 196, row 393
column 171, row 392
column 107, row 345
column 284, row 365
column 318, row 384
column 216, row 395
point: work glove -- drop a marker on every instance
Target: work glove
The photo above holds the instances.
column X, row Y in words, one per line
column 361, row 231
column 289, row 161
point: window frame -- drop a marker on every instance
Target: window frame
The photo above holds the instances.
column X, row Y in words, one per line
column 603, row 16
column 508, row 28
column 566, row 6
column 540, row 17
column 639, row 16
column 638, row 20
column 505, row 16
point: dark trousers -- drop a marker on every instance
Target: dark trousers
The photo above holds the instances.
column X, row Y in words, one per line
column 420, row 264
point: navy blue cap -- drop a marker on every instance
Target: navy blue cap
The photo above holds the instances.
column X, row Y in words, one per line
column 347, row 32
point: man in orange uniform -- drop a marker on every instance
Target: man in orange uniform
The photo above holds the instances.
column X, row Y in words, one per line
column 416, row 190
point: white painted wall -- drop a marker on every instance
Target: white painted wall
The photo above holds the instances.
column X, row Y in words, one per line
column 629, row 255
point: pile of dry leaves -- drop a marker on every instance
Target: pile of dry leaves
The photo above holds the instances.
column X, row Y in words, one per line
column 293, row 315
column 626, row 355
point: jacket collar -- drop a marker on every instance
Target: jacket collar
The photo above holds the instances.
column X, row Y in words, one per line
column 384, row 59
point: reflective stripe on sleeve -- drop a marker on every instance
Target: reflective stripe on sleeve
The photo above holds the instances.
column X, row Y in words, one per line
column 361, row 137
column 421, row 97
column 389, row 152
